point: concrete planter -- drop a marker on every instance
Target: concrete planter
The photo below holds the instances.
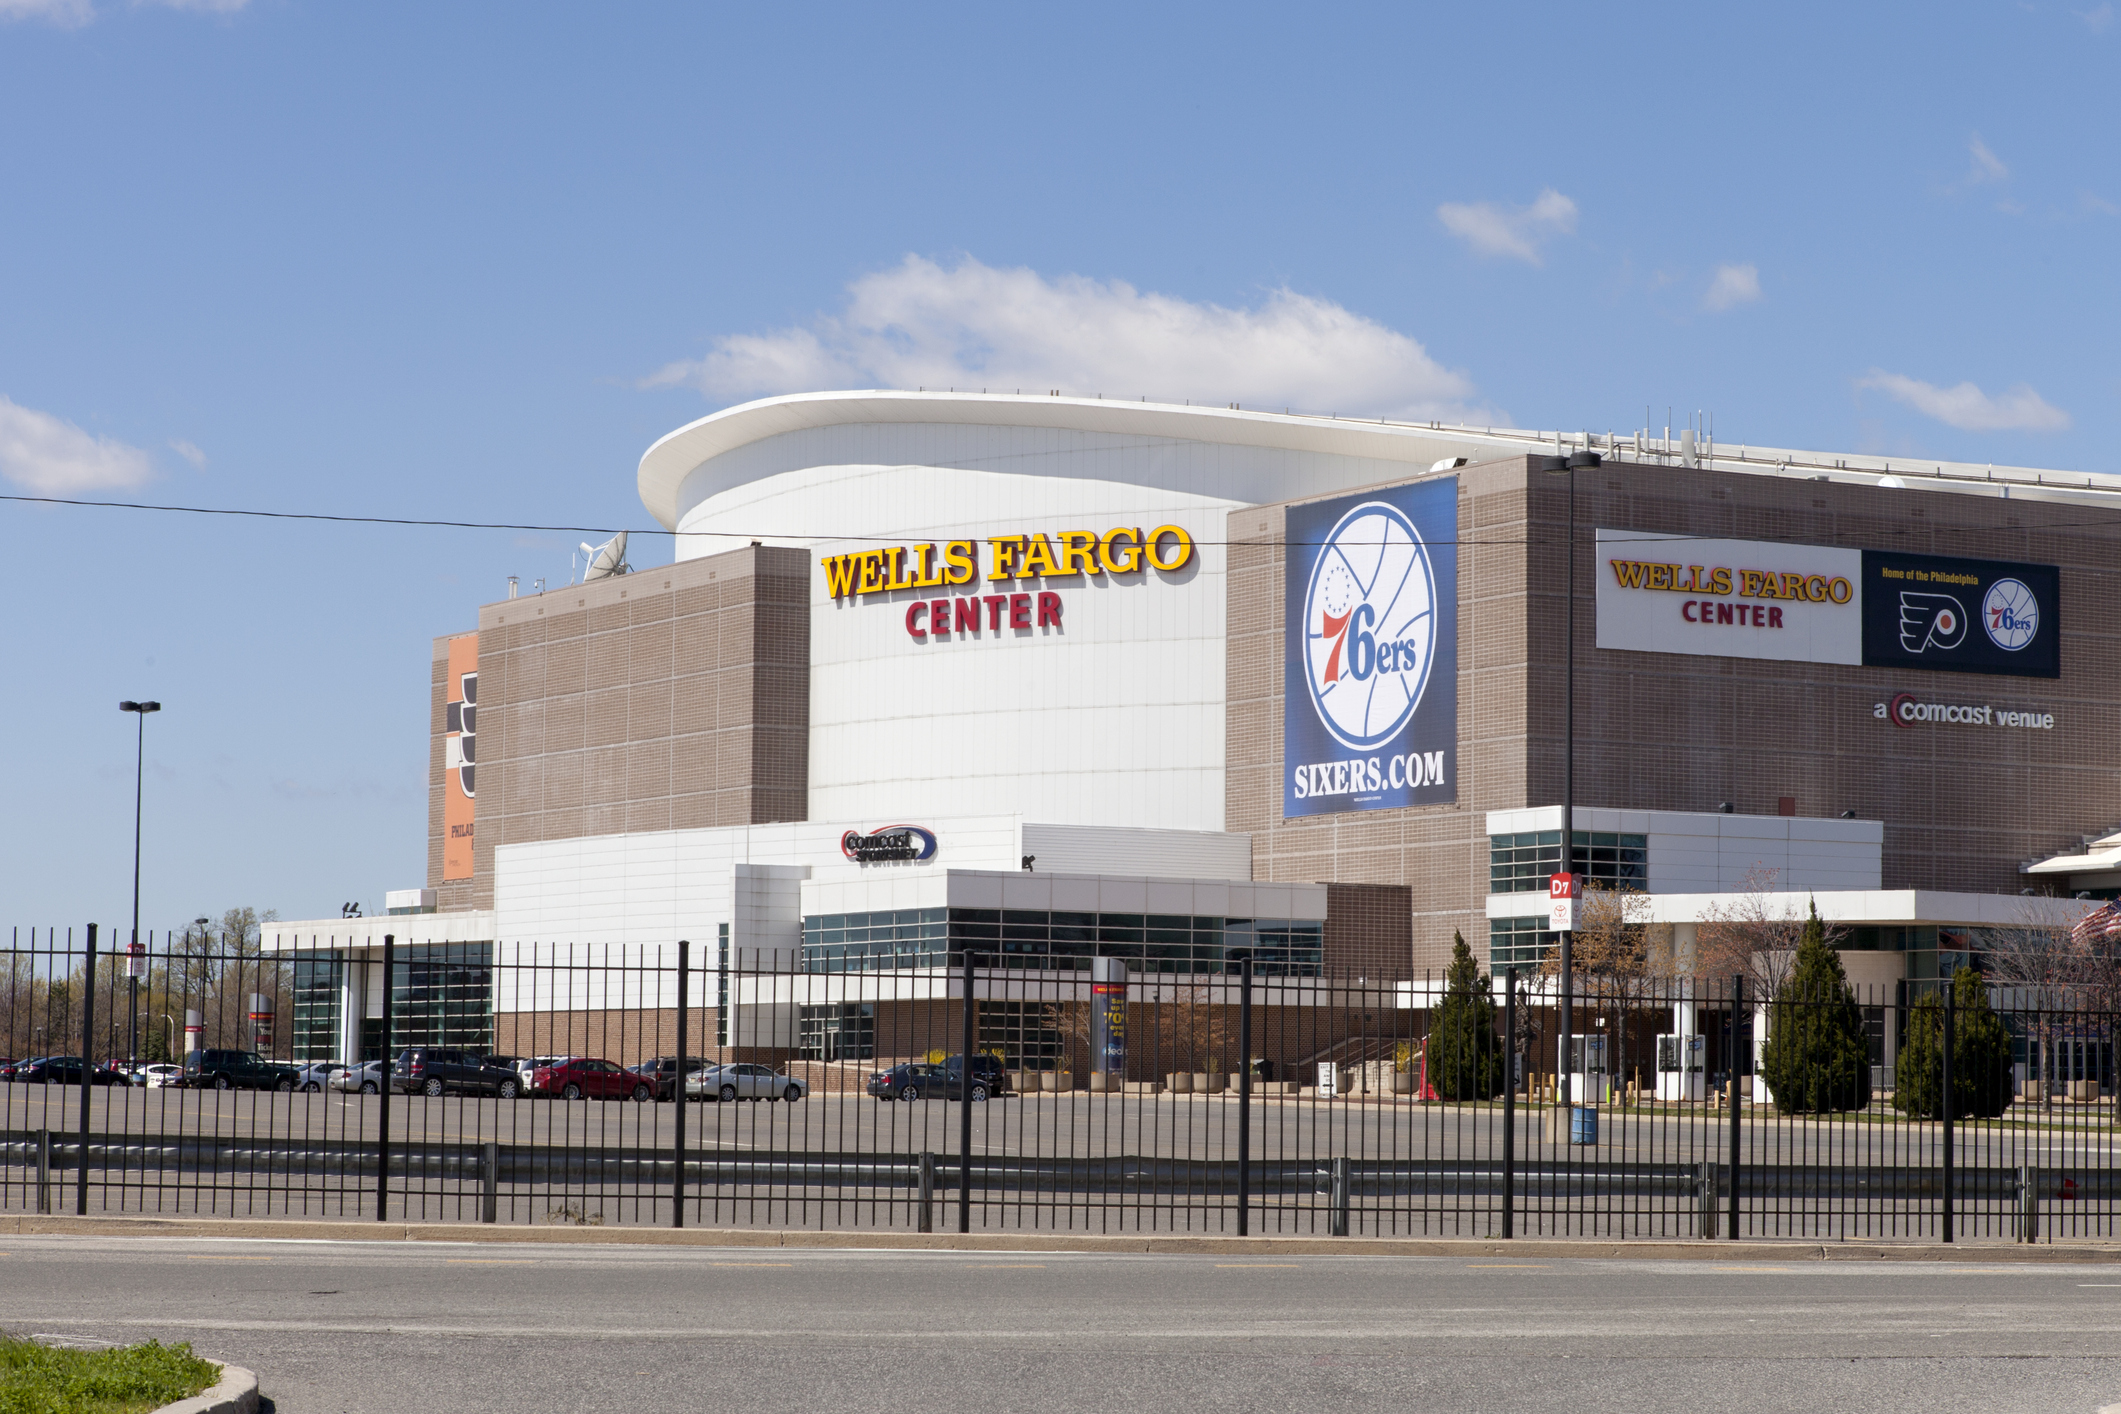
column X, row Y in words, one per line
column 1207, row 1083
column 2084, row 1090
column 1402, row 1082
column 1104, row 1082
column 1145, row 1087
column 1180, row 1081
column 1057, row 1082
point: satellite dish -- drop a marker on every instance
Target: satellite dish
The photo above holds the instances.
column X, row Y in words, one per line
column 607, row 559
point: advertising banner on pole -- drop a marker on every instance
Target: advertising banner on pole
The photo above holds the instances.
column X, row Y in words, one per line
column 1370, row 686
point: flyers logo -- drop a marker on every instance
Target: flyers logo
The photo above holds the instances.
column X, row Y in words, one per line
column 460, row 749
column 1369, row 625
column 1931, row 621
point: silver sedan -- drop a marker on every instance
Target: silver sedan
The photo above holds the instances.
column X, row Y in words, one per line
column 366, row 1079
column 743, row 1082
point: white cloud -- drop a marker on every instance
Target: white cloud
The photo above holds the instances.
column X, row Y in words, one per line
column 66, row 13
column 1734, row 285
column 43, row 454
column 189, row 451
column 1513, row 231
column 1988, row 167
column 210, row 7
column 2098, row 204
column 920, row 324
column 1967, row 408
column 2099, row 18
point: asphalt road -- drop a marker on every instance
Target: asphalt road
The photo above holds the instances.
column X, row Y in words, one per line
column 335, row 1328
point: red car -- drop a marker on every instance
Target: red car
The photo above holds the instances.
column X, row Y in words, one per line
column 578, row 1078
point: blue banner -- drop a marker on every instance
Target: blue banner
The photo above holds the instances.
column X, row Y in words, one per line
column 1370, row 680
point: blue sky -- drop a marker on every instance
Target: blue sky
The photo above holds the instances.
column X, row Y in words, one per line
column 467, row 261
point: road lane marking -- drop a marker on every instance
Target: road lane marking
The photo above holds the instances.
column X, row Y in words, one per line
column 488, row 1262
column 751, row 1264
column 198, row 1257
column 1228, row 1266
column 1507, row 1267
column 1006, row 1266
column 1755, row 1269
column 2100, row 1283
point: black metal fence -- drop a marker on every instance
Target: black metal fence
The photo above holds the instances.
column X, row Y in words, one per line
column 1224, row 1103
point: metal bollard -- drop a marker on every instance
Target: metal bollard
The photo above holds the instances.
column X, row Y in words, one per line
column 2028, row 1203
column 1338, row 1226
column 44, row 1171
column 926, row 1219
column 1705, row 1198
column 490, row 1181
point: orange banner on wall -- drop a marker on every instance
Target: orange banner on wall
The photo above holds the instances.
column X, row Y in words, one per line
column 460, row 757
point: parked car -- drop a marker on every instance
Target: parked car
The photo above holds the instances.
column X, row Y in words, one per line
column 64, row 1070
column 986, row 1070
column 526, row 1066
column 438, row 1070
column 161, row 1076
column 363, row 1079
column 664, row 1071
column 581, row 1077
column 237, row 1070
column 11, row 1070
column 317, row 1074
column 917, row 1080
column 743, row 1082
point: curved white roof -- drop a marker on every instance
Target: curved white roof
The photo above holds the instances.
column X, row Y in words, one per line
column 675, row 456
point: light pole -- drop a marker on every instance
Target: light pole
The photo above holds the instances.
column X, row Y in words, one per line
column 139, row 711
column 1568, row 466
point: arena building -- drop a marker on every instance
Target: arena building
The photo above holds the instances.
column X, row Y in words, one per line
column 1051, row 678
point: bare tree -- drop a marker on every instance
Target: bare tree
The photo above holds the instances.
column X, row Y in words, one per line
column 1755, row 935
column 2042, row 962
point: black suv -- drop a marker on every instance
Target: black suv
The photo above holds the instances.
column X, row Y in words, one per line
column 986, row 1071
column 433, row 1070
column 237, row 1070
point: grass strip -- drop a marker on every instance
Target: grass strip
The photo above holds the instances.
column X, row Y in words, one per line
column 133, row 1379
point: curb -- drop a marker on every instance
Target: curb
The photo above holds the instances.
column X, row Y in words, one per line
column 237, row 1393
column 1647, row 1250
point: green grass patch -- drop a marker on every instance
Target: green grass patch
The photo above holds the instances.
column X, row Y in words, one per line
column 42, row 1379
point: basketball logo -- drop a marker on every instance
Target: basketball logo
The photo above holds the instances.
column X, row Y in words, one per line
column 2011, row 614
column 1369, row 625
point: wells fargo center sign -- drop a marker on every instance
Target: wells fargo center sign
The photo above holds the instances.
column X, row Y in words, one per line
column 1824, row 604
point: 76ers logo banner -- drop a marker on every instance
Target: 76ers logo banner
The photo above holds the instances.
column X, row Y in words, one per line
column 1370, row 706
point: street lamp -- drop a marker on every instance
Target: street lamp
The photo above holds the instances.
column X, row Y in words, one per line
column 140, row 711
column 1568, row 466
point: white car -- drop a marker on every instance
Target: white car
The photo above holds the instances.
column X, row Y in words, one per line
column 159, row 1077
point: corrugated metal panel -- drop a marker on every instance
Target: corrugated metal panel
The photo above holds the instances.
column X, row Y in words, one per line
column 1139, row 854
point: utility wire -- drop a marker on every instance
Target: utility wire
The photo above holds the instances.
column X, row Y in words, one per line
column 1645, row 537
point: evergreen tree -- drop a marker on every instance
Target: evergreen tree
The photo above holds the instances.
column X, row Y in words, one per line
column 1981, row 1055
column 1465, row 1055
column 1816, row 1058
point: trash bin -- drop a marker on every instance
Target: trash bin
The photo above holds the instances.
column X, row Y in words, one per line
column 1583, row 1125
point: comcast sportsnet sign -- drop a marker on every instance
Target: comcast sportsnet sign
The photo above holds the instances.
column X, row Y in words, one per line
column 1370, row 700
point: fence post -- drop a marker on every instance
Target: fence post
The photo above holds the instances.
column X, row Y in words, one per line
column 1509, row 1103
column 88, row 1073
column 1244, row 1097
column 1945, row 1079
column 44, row 1171
column 390, row 957
column 964, row 1106
column 1705, row 1196
column 1737, row 1036
column 677, row 1093
column 2028, row 1203
column 925, row 1222
column 1337, row 1224
column 490, row 1181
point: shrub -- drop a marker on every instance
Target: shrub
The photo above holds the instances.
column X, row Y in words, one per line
column 1816, row 1059
column 1981, row 1055
column 1465, row 1055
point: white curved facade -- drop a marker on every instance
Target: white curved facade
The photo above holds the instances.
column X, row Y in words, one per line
column 1115, row 716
